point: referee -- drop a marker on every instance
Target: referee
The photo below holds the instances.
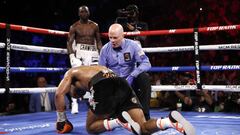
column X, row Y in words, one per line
column 127, row 59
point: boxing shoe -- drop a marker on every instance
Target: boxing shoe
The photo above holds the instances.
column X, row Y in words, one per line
column 74, row 108
column 181, row 124
column 64, row 127
column 136, row 129
column 124, row 125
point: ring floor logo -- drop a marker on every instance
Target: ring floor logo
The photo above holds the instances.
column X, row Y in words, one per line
column 19, row 129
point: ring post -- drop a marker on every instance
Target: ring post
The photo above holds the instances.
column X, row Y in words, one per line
column 197, row 60
column 7, row 66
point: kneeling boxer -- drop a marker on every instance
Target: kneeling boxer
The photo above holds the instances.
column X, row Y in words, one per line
column 111, row 97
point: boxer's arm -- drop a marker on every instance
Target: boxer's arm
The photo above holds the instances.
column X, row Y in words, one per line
column 71, row 37
column 63, row 88
column 63, row 125
column 98, row 39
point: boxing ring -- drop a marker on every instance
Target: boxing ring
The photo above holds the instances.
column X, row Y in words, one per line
column 44, row 122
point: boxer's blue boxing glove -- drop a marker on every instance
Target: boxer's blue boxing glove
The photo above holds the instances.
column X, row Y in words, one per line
column 130, row 79
column 64, row 127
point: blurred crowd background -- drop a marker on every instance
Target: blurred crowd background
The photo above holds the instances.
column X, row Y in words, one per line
column 159, row 15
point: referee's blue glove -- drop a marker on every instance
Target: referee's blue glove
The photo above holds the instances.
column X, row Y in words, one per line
column 130, row 79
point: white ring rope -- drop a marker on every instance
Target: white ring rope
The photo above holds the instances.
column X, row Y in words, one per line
column 32, row 48
column 191, row 48
column 29, row 48
column 232, row 88
column 2, row 45
column 29, row 90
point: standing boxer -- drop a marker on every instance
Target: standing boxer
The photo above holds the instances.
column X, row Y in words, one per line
column 83, row 44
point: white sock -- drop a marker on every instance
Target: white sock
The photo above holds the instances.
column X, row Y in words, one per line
column 164, row 123
column 110, row 124
column 114, row 123
column 74, row 101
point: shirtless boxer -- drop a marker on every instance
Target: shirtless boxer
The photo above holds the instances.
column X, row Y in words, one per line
column 86, row 35
column 83, row 44
column 111, row 97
